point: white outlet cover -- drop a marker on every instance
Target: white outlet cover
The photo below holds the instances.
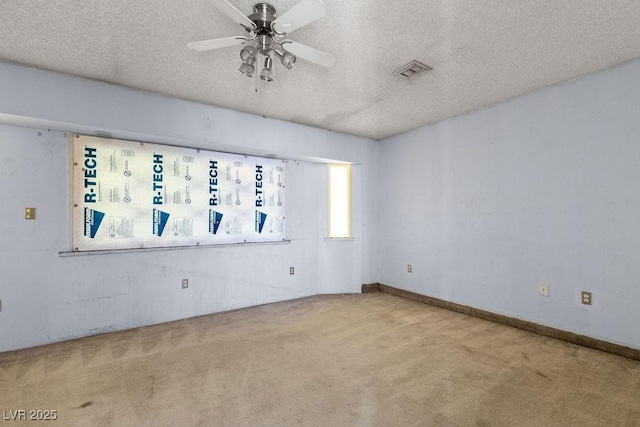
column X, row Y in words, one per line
column 543, row 290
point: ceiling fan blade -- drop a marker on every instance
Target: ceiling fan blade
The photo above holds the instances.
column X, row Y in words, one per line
column 308, row 53
column 203, row 45
column 228, row 9
column 299, row 15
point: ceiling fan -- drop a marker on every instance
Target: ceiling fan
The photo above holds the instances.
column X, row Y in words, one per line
column 266, row 36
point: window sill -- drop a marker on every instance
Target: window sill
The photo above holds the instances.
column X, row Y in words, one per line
column 169, row 248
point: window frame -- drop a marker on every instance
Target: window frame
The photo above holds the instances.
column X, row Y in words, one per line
column 336, row 231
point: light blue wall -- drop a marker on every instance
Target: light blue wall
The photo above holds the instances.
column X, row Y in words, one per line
column 540, row 189
column 46, row 297
column 484, row 206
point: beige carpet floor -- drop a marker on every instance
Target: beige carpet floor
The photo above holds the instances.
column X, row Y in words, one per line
column 340, row 360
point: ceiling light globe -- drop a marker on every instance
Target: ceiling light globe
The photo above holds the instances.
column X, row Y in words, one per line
column 267, row 71
column 247, row 69
column 266, row 74
column 248, row 54
column 288, row 59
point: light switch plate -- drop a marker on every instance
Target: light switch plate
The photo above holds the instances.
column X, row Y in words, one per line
column 30, row 213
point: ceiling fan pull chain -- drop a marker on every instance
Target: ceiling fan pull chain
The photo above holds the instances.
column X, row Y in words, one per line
column 255, row 81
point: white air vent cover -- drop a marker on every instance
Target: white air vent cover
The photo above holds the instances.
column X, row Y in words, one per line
column 412, row 69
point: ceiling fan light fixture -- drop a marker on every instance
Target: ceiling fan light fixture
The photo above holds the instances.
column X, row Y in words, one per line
column 267, row 71
column 248, row 54
column 287, row 59
column 247, row 69
column 265, row 31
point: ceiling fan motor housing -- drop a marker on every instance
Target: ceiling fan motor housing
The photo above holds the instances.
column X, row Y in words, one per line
column 263, row 15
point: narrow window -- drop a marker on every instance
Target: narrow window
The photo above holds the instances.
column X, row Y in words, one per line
column 339, row 201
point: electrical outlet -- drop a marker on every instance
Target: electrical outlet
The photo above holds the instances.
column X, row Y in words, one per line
column 292, row 271
column 185, row 283
column 409, row 269
column 586, row 298
column 543, row 290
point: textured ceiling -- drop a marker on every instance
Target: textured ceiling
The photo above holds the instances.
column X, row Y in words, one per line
column 482, row 52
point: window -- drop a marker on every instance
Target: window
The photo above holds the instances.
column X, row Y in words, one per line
column 132, row 195
column 339, row 201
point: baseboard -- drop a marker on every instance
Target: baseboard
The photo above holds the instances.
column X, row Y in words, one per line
column 371, row 287
column 546, row 331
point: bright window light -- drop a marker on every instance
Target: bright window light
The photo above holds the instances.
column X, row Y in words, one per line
column 339, row 201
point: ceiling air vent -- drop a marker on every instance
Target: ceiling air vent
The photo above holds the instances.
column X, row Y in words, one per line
column 413, row 69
